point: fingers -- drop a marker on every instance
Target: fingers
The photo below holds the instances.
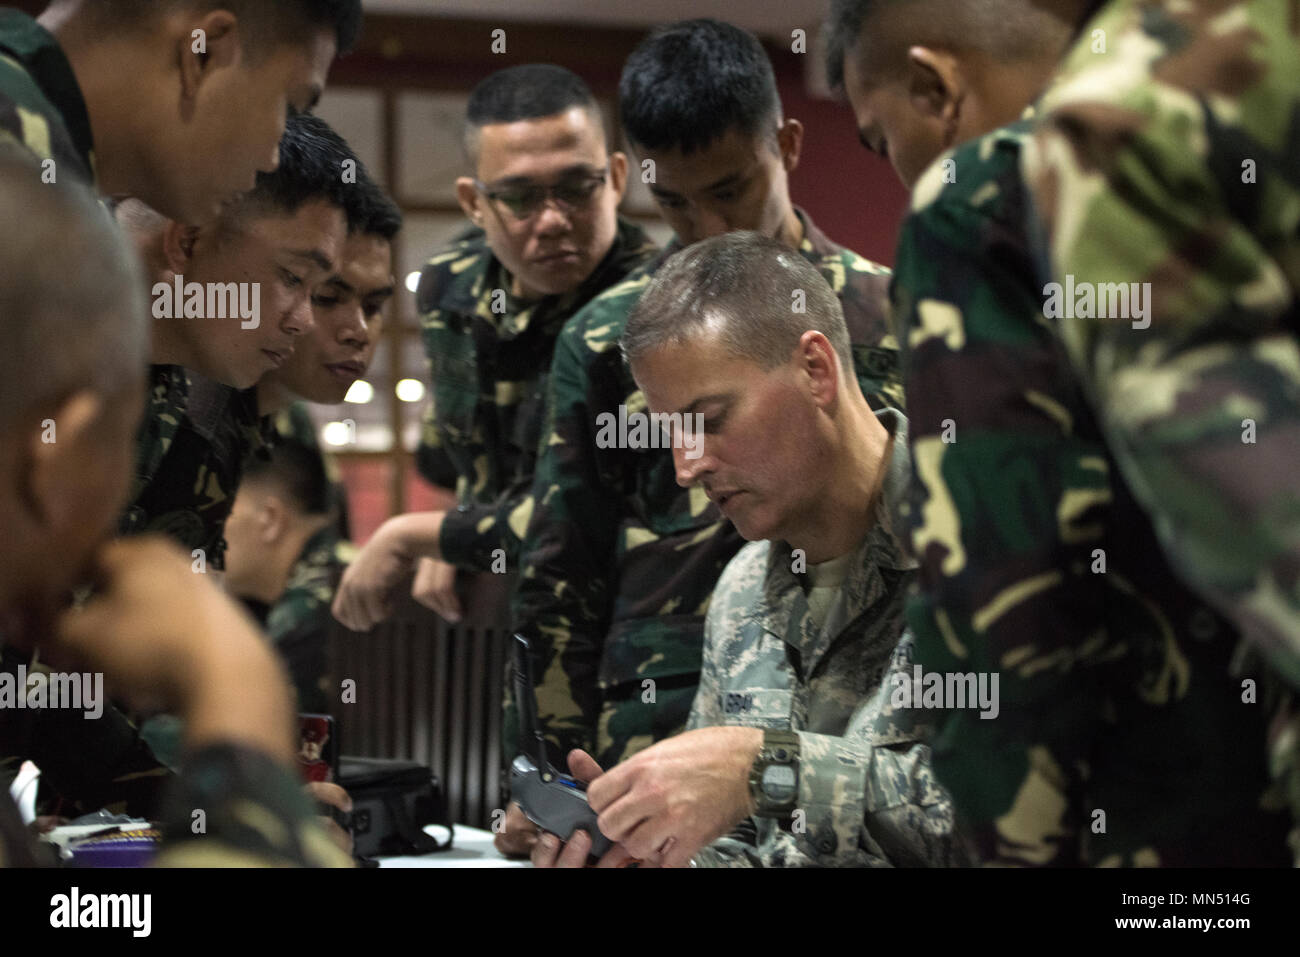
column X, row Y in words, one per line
column 519, row 835
column 331, row 794
column 583, row 766
column 550, row 851
column 434, row 587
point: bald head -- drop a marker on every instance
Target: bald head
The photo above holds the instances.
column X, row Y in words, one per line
column 75, row 320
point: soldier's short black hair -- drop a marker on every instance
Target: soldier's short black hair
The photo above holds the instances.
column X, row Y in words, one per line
column 756, row 295
column 688, row 83
column 270, row 23
column 373, row 212
column 312, row 166
column 529, row 91
column 842, row 28
column 296, row 472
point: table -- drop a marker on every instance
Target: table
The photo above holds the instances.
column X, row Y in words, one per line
column 471, row 847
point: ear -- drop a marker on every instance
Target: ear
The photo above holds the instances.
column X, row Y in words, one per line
column 935, row 85
column 52, row 483
column 178, row 243
column 468, row 196
column 618, row 173
column 821, row 365
column 272, row 520
column 790, row 139
column 204, row 45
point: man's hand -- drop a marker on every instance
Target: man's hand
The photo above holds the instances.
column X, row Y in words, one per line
column 665, row 803
column 435, row 588
column 323, row 792
column 519, row 834
column 551, row 851
column 370, row 584
column 167, row 639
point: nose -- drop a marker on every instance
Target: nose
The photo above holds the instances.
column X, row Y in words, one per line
column 352, row 329
column 552, row 218
column 706, row 224
column 691, row 469
column 299, row 319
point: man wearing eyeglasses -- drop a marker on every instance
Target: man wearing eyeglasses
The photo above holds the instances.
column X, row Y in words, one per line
column 546, row 240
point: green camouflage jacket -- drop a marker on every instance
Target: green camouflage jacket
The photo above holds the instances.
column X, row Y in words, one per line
column 41, row 105
column 1179, row 172
column 619, row 560
column 1121, row 737
column 190, row 457
column 490, row 355
column 867, row 796
column 299, row 623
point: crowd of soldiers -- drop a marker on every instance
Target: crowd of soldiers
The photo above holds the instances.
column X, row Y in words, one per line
column 1041, row 462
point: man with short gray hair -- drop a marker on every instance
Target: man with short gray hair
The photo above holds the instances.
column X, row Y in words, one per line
column 799, row 753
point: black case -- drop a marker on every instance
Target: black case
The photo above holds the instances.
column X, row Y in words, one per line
column 392, row 801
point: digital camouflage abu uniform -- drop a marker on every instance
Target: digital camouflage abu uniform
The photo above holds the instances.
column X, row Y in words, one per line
column 41, row 105
column 490, row 355
column 1168, row 157
column 620, row 560
column 1121, row 737
column 867, row 796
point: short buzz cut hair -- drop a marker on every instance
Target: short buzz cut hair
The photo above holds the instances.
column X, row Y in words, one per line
column 268, row 23
column 529, row 91
column 1009, row 30
column 78, row 320
column 312, row 167
column 689, row 83
column 296, row 472
column 741, row 288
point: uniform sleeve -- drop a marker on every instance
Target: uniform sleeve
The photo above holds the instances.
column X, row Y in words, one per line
column 487, row 536
column 1003, row 507
column 569, row 552
column 236, row 807
column 873, row 791
column 1149, row 180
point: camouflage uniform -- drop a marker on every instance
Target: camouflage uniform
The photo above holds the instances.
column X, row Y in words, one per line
column 489, row 372
column 620, row 561
column 866, row 792
column 190, row 465
column 1179, row 171
column 299, row 622
column 1121, row 737
column 41, row 105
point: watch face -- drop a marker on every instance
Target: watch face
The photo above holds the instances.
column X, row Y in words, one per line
column 779, row 783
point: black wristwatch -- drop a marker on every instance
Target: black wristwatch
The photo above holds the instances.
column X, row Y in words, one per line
column 774, row 776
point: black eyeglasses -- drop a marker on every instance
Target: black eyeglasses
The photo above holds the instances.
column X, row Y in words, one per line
column 526, row 199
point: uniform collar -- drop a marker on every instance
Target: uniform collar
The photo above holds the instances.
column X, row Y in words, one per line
column 39, row 52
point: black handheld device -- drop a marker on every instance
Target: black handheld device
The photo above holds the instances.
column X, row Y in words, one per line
column 553, row 801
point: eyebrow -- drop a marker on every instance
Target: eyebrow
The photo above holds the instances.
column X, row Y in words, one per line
column 313, row 256
column 728, row 180
column 529, row 181
column 724, row 397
